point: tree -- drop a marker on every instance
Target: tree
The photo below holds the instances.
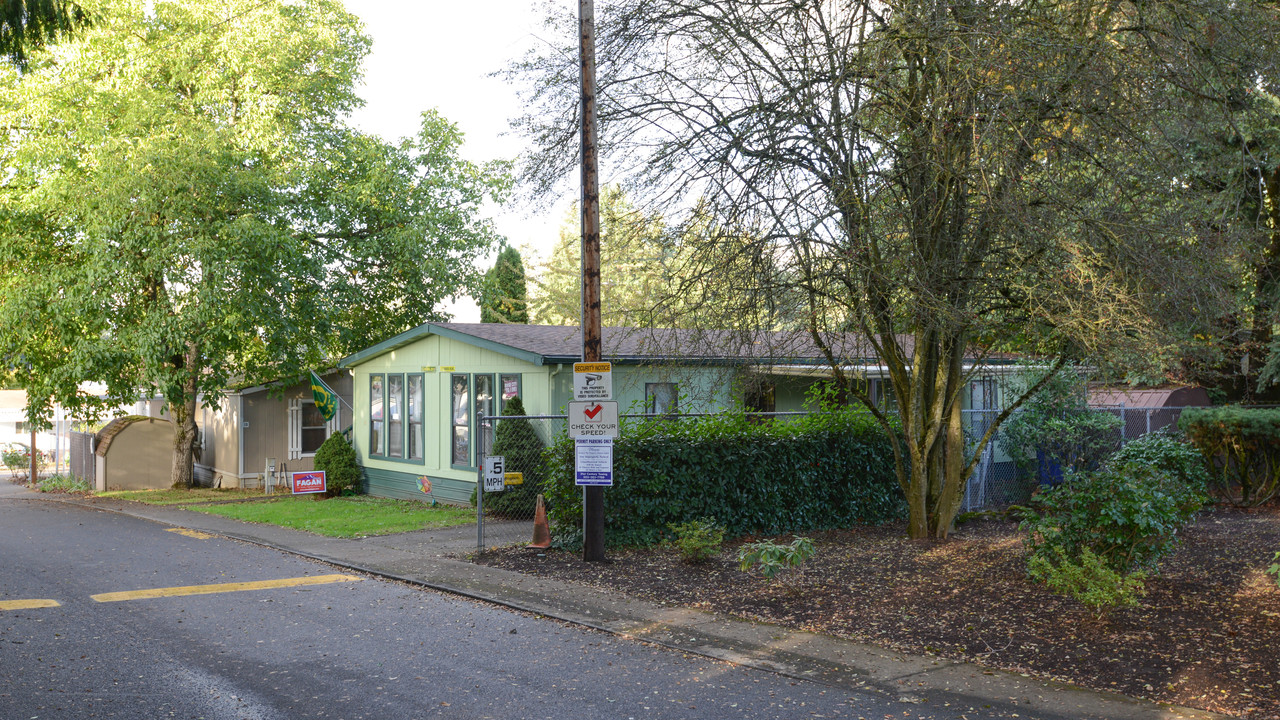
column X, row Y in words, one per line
column 504, row 298
column 27, row 25
column 649, row 275
column 947, row 178
column 185, row 207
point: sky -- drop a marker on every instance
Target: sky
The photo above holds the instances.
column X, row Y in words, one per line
column 439, row 54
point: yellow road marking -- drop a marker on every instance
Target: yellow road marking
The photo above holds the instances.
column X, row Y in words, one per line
column 190, row 533
column 27, row 604
column 222, row 588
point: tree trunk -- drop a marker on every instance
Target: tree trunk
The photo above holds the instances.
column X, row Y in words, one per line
column 182, row 413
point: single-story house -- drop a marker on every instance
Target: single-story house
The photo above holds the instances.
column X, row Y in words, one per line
column 252, row 424
column 255, row 423
column 417, row 396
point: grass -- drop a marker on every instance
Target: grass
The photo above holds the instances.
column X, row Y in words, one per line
column 182, row 497
column 344, row 517
column 63, row 484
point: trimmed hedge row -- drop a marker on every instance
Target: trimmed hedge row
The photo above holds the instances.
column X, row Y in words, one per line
column 1241, row 447
column 821, row 471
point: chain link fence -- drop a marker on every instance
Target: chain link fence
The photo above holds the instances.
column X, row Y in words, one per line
column 996, row 480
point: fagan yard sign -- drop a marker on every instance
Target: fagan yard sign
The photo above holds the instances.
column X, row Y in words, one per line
column 307, row 482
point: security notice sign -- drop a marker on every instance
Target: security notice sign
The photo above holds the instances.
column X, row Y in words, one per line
column 494, row 474
column 593, row 461
column 593, row 419
column 307, row 482
column 593, row 381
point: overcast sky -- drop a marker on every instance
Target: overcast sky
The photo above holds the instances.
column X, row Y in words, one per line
column 433, row 53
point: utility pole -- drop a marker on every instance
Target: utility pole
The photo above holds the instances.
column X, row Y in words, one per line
column 592, row 496
column 34, row 465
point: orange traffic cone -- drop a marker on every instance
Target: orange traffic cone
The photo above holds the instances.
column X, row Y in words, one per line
column 541, row 532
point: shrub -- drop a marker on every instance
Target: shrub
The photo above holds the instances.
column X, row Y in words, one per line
column 1241, row 448
column 1057, row 431
column 774, row 561
column 1089, row 580
column 521, row 449
column 337, row 459
column 1127, row 516
column 1170, row 454
column 697, row 540
column 1274, row 569
column 825, row 470
column 17, row 458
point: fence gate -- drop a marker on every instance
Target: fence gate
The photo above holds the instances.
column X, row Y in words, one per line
column 506, row 517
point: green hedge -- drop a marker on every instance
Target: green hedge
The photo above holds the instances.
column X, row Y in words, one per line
column 820, row 471
column 1241, row 447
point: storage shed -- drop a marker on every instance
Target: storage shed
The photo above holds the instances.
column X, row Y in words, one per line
column 133, row 453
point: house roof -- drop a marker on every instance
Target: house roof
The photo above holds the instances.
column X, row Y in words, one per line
column 102, row 440
column 549, row 344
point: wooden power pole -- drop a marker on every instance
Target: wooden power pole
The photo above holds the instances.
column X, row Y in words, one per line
column 592, row 496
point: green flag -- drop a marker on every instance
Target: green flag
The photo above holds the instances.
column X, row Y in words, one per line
column 326, row 399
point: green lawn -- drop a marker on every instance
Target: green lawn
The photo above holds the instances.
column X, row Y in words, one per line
column 344, row 516
column 181, row 497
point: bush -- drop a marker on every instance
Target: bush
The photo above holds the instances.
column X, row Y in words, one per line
column 1274, row 569
column 826, row 470
column 341, row 469
column 1089, row 580
column 774, row 561
column 1128, row 516
column 1162, row 450
column 1241, row 448
column 1057, row 431
column 17, row 458
column 517, row 442
column 697, row 540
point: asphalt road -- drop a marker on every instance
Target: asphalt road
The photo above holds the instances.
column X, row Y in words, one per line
column 345, row 647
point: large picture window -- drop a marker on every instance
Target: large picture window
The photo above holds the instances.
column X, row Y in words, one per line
column 414, row 440
column 375, row 415
column 484, row 408
column 460, row 416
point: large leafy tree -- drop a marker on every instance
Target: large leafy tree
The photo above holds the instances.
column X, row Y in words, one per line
column 184, row 206
column 946, row 178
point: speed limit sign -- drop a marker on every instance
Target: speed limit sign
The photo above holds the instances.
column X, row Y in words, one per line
column 494, row 468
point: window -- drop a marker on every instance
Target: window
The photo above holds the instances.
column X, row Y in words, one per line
column 882, row 394
column 460, row 442
column 660, row 398
column 395, row 416
column 375, row 415
column 982, row 394
column 510, row 385
column 415, row 417
column 484, row 409
column 760, row 397
column 313, row 428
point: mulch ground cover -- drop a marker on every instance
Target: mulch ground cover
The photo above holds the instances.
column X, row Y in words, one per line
column 1206, row 635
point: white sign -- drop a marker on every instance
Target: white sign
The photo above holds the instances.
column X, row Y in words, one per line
column 593, row 419
column 593, row 461
column 593, row 381
column 494, row 470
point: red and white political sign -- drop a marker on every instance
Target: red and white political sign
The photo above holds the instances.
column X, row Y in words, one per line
column 308, row 482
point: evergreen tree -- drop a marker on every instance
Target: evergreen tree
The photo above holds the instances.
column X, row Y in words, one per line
column 504, row 298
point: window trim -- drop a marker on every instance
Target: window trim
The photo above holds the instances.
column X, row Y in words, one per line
column 422, row 418
column 502, row 402
column 387, row 413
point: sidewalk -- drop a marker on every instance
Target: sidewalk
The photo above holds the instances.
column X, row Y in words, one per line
column 422, row 558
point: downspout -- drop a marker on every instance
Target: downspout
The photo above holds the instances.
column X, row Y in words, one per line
column 240, row 438
column 551, row 388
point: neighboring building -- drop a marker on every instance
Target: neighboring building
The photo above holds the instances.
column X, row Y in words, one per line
column 14, row 428
column 417, row 396
column 254, row 423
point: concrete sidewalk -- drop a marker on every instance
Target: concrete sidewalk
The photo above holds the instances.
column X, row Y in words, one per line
column 430, row 559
